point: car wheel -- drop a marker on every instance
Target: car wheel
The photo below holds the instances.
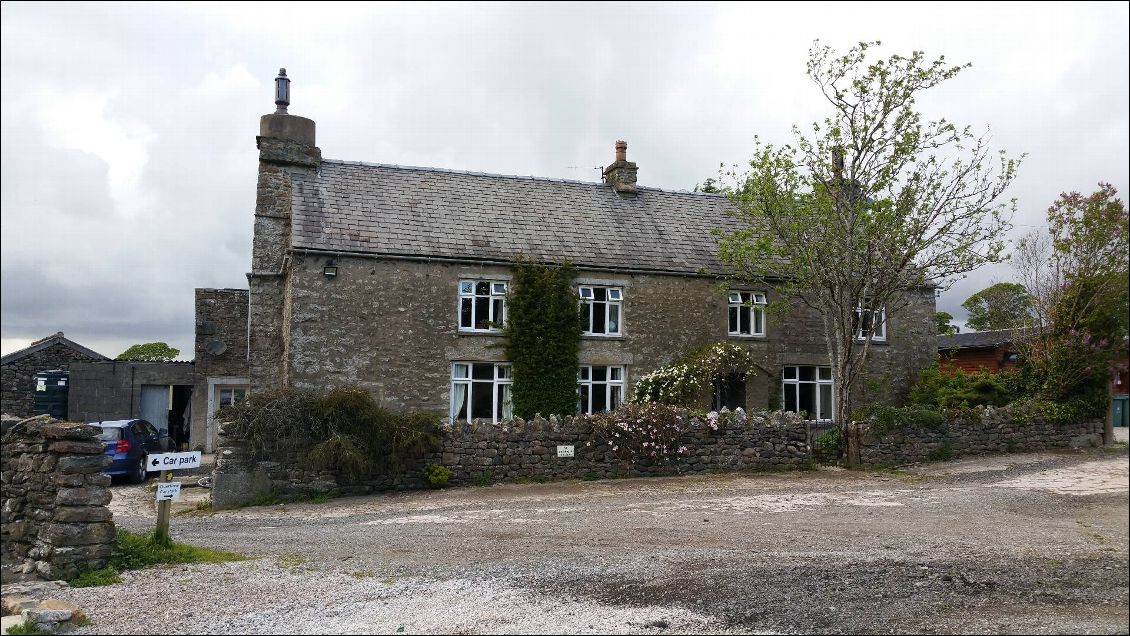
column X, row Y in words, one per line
column 138, row 475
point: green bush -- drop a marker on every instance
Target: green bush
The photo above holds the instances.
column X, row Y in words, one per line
column 638, row 431
column 887, row 419
column 941, row 453
column 344, row 430
column 96, row 578
column 827, row 446
column 437, row 475
column 944, row 389
column 543, row 337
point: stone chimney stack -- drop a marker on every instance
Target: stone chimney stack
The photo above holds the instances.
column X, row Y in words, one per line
column 285, row 138
column 288, row 160
column 621, row 174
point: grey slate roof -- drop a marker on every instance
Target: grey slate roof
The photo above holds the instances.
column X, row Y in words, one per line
column 50, row 341
column 426, row 212
column 978, row 339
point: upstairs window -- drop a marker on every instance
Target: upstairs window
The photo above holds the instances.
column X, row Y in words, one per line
column 747, row 313
column 482, row 305
column 481, row 391
column 871, row 322
column 604, row 306
column 599, row 388
column 808, row 390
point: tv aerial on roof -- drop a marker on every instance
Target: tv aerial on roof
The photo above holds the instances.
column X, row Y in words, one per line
column 215, row 347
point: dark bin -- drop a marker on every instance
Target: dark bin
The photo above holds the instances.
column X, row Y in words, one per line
column 50, row 394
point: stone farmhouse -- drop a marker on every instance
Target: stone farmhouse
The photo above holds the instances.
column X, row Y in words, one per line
column 394, row 279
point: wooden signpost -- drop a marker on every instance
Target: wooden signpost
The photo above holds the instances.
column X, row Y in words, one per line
column 167, row 491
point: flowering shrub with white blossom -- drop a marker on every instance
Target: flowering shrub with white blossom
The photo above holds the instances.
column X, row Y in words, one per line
column 640, row 431
column 680, row 382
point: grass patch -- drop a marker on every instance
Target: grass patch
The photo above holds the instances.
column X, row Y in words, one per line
column 482, row 479
column 204, row 506
column 291, row 561
column 81, row 620
column 136, row 551
column 278, row 499
column 96, row 578
column 362, row 574
column 26, row 627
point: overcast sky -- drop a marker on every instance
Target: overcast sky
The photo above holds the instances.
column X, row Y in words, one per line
column 129, row 158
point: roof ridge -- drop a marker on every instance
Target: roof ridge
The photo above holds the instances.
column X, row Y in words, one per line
column 474, row 173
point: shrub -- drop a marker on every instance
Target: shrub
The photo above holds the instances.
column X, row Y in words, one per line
column 887, row 419
column 638, row 431
column 828, row 445
column 344, row 430
column 944, row 389
column 680, row 382
column 437, row 475
column 941, row 453
column 543, row 337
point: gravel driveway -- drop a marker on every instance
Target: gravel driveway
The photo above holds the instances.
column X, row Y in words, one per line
column 1034, row 543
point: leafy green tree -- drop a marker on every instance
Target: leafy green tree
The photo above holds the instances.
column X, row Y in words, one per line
column 150, row 352
column 870, row 207
column 1079, row 272
column 943, row 318
column 543, row 331
column 999, row 306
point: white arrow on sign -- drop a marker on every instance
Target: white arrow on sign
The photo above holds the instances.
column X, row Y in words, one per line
column 173, row 461
column 168, row 490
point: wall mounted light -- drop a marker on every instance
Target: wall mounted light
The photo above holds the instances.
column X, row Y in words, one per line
column 330, row 269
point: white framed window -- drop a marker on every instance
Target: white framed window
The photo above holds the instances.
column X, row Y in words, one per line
column 808, row 389
column 481, row 391
column 482, row 305
column 599, row 388
column 871, row 322
column 747, row 313
column 229, row 396
column 605, row 308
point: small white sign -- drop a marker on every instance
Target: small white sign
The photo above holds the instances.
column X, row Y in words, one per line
column 565, row 451
column 168, row 491
column 173, row 461
column 41, row 385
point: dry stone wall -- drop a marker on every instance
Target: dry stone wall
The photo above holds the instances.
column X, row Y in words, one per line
column 981, row 432
column 55, row 518
column 519, row 450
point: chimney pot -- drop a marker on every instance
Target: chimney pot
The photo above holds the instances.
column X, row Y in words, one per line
column 621, row 150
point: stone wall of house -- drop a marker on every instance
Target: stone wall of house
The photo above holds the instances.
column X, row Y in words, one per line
column 520, row 450
column 54, row 517
column 18, row 377
column 391, row 327
column 989, row 431
column 221, row 314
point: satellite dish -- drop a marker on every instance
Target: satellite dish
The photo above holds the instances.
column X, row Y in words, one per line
column 215, row 347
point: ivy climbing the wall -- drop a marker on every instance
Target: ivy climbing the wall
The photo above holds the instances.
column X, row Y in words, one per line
column 680, row 382
column 543, row 337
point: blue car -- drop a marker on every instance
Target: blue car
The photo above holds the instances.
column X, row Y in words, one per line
column 128, row 443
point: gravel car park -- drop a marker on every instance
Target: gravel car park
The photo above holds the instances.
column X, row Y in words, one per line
column 1033, row 543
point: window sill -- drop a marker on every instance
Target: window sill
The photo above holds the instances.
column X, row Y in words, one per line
column 463, row 332
column 882, row 343
column 600, row 336
column 746, row 336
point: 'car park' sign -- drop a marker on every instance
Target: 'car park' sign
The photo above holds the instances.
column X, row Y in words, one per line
column 173, row 461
